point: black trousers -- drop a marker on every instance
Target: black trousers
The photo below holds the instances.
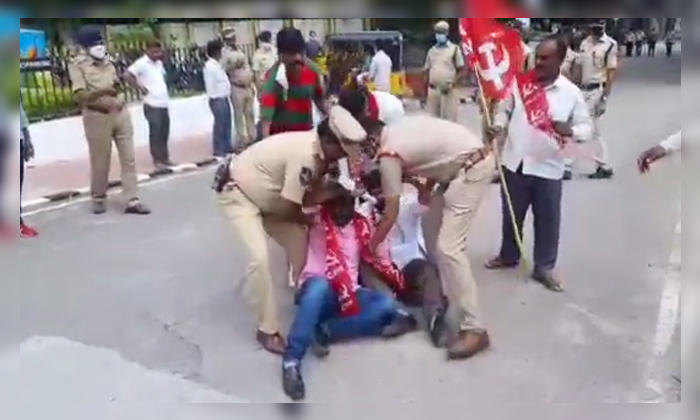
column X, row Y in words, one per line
column 158, row 132
column 423, row 286
column 544, row 197
column 629, row 49
column 652, row 48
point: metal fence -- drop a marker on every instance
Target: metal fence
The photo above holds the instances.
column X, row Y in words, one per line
column 47, row 92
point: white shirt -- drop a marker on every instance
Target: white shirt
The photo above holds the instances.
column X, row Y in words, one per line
column 391, row 108
column 406, row 238
column 380, row 71
column 216, row 81
column 673, row 143
column 151, row 75
column 540, row 154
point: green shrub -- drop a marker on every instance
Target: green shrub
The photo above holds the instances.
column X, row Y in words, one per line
column 41, row 104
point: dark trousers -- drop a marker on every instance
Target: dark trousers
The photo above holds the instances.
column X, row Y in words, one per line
column 544, row 196
column 158, row 132
column 423, row 286
column 639, row 46
column 669, row 49
column 652, row 48
column 21, row 177
column 222, row 133
column 629, row 49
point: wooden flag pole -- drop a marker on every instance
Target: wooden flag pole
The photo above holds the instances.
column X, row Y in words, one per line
column 501, row 175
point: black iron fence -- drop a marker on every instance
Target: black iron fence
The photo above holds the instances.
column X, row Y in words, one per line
column 47, row 92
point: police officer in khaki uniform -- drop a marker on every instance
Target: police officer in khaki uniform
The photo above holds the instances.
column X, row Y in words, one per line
column 443, row 65
column 235, row 63
column 264, row 58
column 105, row 120
column 445, row 153
column 271, row 183
column 597, row 59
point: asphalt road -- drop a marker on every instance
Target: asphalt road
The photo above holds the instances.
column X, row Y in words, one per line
column 162, row 291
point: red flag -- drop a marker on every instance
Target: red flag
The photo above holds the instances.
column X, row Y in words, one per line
column 495, row 51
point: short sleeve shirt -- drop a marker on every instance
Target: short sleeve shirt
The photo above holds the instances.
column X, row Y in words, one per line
column 424, row 146
column 235, row 63
column 281, row 167
column 443, row 61
column 90, row 75
column 291, row 109
column 595, row 58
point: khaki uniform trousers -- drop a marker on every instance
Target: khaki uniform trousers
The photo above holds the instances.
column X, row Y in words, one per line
column 253, row 229
column 443, row 105
column 101, row 130
column 593, row 98
column 446, row 239
column 243, row 100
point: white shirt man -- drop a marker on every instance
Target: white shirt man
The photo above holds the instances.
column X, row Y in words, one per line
column 406, row 239
column 151, row 75
column 216, row 82
column 380, row 71
column 539, row 155
column 148, row 74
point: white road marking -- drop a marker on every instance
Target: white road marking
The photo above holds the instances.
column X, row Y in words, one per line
column 669, row 313
column 76, row 201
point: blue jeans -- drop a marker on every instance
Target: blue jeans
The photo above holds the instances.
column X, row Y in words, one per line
column 318, row 305
column 222, row 135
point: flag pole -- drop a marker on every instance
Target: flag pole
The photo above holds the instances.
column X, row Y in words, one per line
column 501, row 175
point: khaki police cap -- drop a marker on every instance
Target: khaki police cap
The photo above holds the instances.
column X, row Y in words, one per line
column 348, row 130
column 228, row 32
column 442, row 26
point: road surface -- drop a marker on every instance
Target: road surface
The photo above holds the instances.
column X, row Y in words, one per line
column 162, row 291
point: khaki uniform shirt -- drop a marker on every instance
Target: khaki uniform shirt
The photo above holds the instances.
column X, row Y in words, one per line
column 426, row 147
column 567, row 67
column 235, row 63
column 596, row 58
column 281, row 167
column 90, row 75
column 263, row 60
column 442, row 64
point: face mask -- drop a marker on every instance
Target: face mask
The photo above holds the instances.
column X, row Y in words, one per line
column 98, row 52
column 441, row 38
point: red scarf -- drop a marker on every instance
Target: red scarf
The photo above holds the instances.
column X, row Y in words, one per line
column 536, row 103
column 337, row 269
column 373, row 105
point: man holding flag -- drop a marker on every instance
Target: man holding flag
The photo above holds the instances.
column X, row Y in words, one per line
column 536, row 122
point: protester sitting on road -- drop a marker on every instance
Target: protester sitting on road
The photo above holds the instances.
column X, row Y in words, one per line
column 332, row 304
column 423, row 288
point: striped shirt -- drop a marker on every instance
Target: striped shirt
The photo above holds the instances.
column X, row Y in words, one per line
column 291, row 109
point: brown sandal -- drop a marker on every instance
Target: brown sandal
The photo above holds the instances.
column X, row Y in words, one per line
column 549, row 281
column 499, row 263
column 272, row 343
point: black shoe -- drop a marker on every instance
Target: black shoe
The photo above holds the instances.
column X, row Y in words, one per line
column 438, row 330
column 602, row 173
column 293, row 382
column 402, row 324
column 321, row 346
column 568, row 175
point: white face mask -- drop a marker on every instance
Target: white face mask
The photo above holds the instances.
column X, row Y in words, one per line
column 98, row 52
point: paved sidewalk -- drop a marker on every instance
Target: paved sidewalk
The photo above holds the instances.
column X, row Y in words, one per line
column 62, row 178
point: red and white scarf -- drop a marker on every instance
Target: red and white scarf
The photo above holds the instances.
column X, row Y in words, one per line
column 337, row 268
column 536, row 103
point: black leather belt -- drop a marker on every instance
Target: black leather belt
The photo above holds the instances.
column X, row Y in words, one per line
column 593, row 86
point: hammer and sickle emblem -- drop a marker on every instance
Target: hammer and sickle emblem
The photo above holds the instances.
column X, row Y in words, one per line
column 494, row 71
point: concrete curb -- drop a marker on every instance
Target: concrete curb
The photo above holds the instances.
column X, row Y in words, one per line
column 142, row 178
